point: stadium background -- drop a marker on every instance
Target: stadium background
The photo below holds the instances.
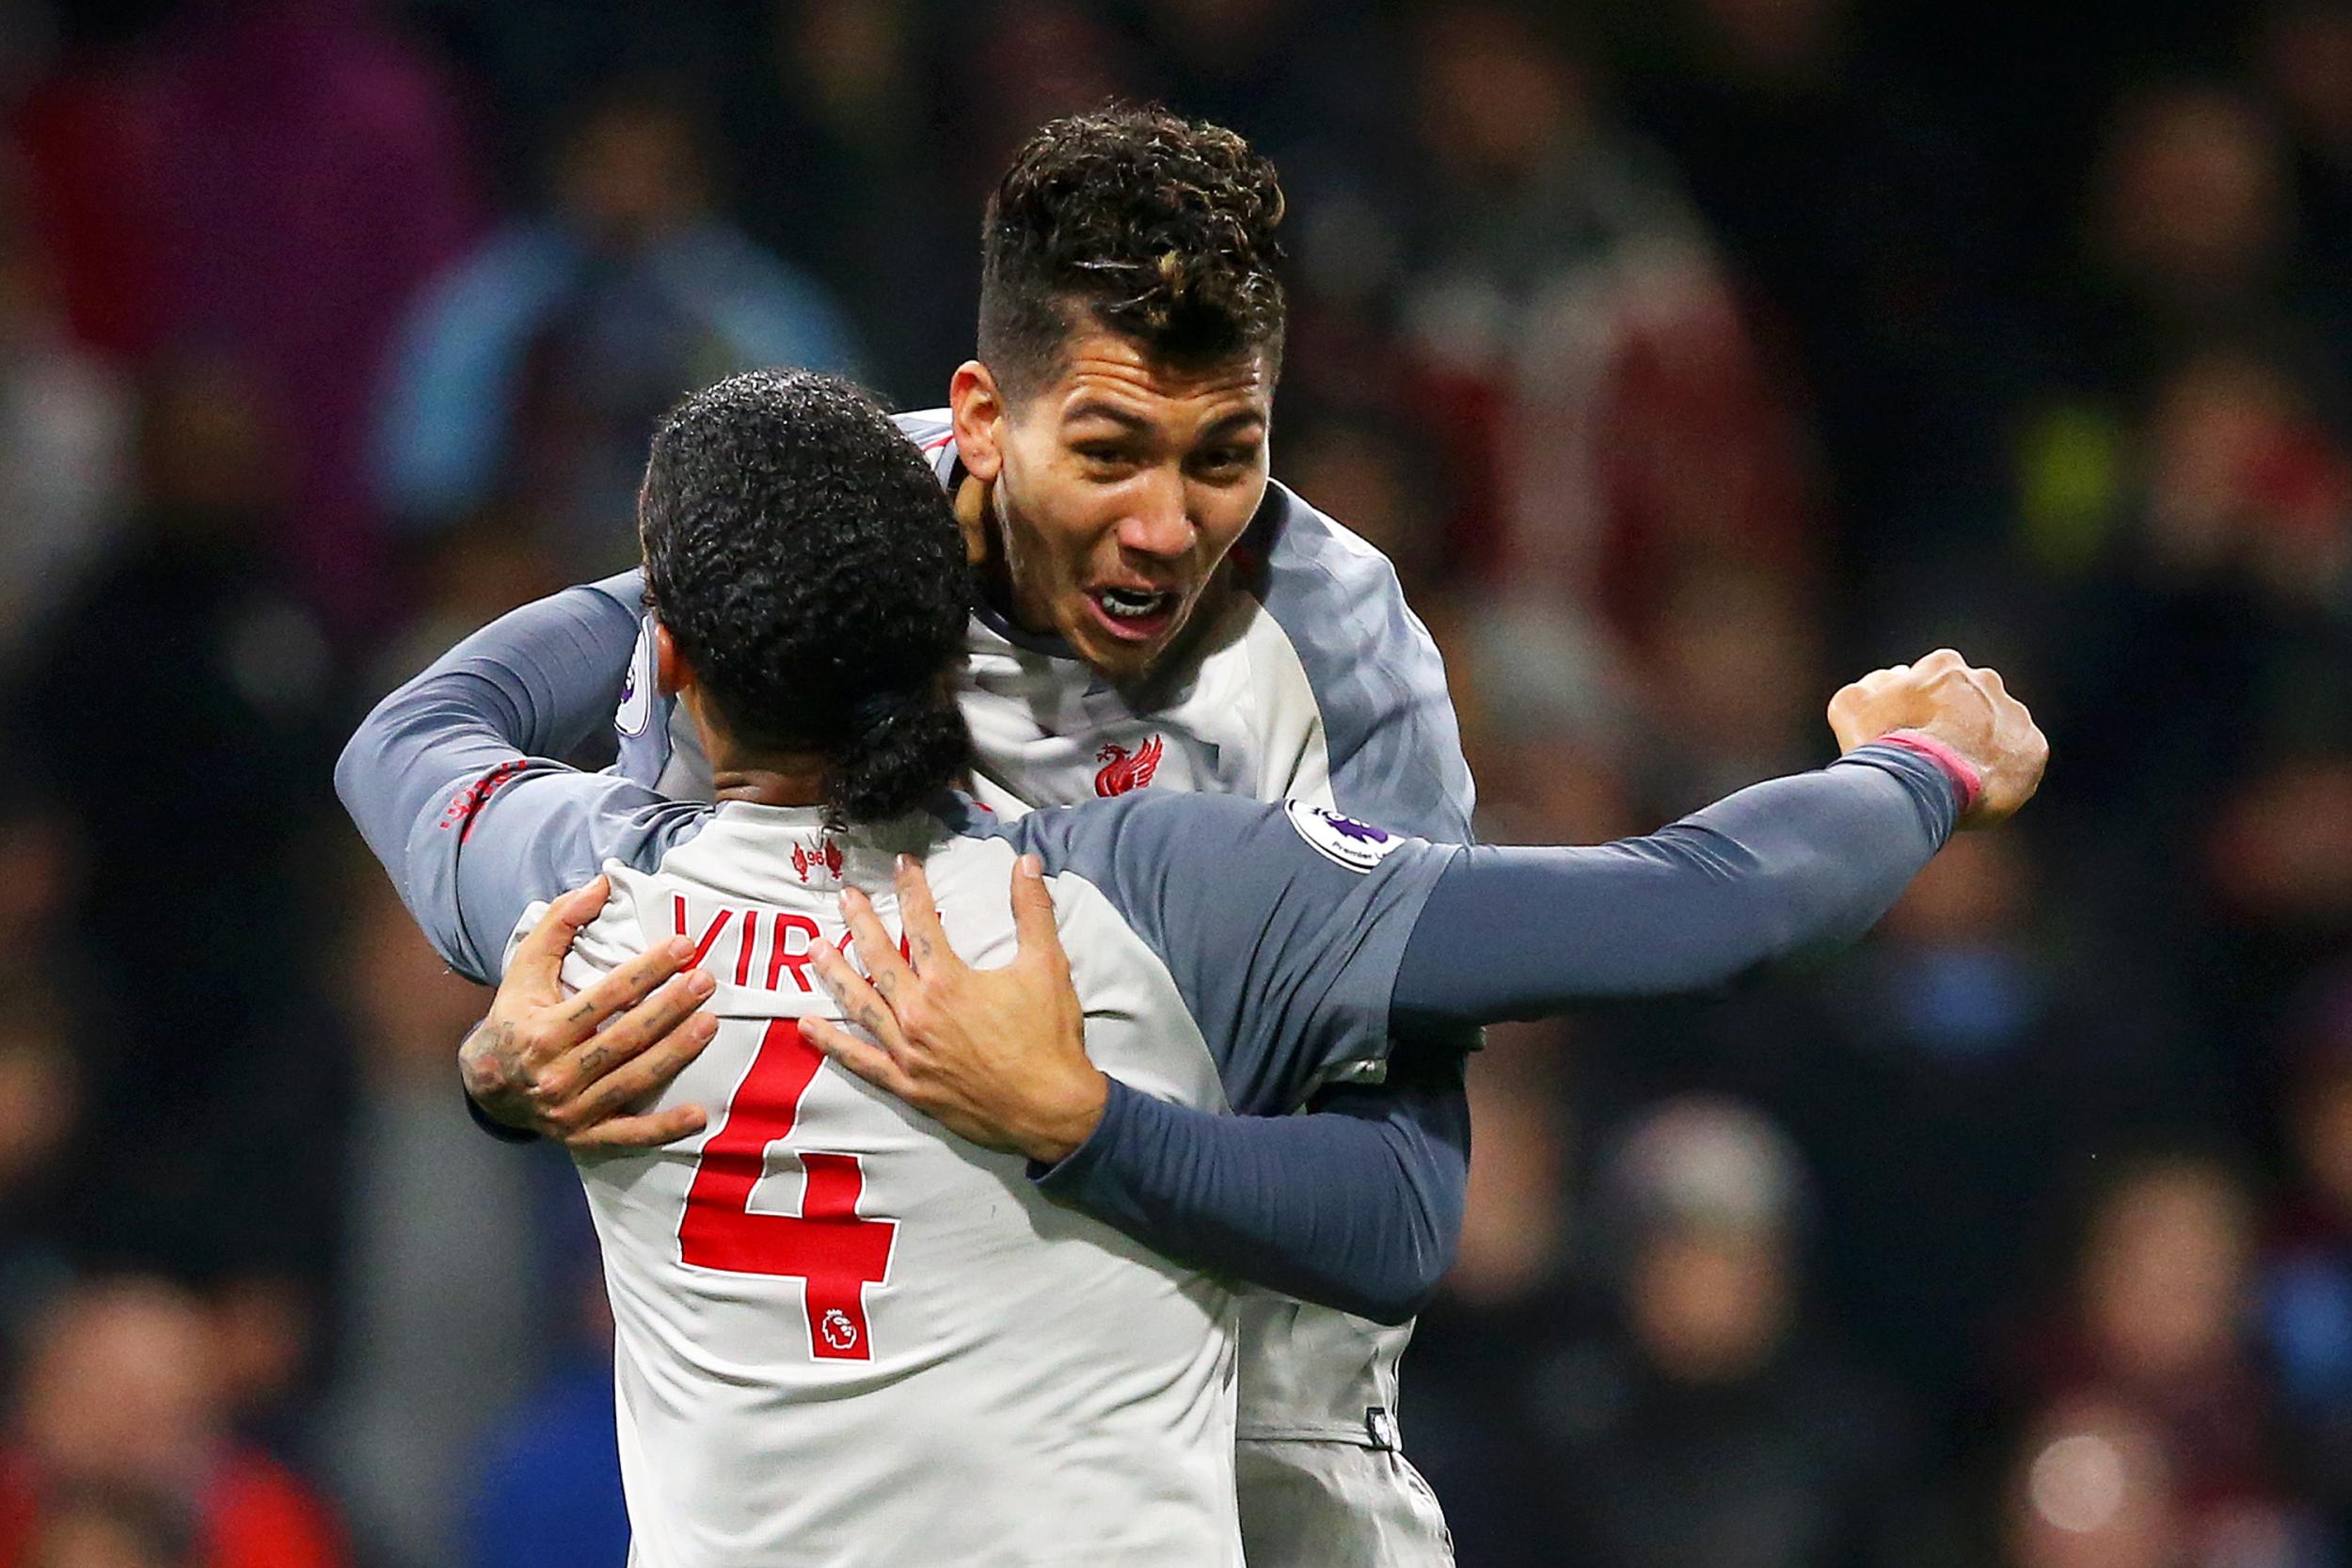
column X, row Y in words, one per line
column 1688, row 358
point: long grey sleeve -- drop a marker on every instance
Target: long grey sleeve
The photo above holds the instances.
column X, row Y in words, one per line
column 1356, row 1207
column 582, row 673
column 471, row 736
column 1786, row 866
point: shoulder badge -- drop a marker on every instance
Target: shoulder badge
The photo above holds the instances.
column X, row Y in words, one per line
column 637, row 690
column 1358, row 846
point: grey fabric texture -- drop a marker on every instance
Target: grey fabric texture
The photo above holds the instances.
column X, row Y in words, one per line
column 451, row 782
column 1388, row 725
column 1758, row 877
column 1283, row 955
column 1358, row 1207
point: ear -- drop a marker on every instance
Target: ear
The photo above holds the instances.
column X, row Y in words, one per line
column 671, row 674
column 979, row 410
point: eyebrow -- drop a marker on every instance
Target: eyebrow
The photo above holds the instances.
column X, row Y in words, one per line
column 1095, row 408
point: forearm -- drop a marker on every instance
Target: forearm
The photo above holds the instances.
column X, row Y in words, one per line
column 568, row 657
column 428, row 761
column 516, row 688
column 1776, row 869
column 1357, row 1205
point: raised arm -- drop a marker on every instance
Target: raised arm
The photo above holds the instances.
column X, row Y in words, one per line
column 1368, row 934
column 469, row 743
column 1792, row 864
column 1305, row 959
column 1774, row 870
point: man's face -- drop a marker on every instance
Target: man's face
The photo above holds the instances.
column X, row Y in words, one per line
column 1118, row 487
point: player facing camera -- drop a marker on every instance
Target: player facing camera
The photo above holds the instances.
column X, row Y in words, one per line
column 809, row 593
column 1114, row 426
column 1104, row 452
column 988, row 1307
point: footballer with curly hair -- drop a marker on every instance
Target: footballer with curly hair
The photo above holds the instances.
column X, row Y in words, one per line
column 1152, row 612
column 853, row 1324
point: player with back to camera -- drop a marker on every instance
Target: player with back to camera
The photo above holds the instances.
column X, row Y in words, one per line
column 890, row 1345
column 1156, row 615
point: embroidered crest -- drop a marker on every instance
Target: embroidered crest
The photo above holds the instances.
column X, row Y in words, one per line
column 821, row 859
column 1124, row 770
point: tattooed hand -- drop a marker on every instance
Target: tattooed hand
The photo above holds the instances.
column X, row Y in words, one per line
column 569, row 1067
column 996, row 1055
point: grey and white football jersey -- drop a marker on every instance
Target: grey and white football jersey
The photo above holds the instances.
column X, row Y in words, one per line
column 1315, row 682
column 844, row 1338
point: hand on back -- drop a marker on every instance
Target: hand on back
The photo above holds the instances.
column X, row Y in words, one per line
column 995, row 1055
column 576, row 1069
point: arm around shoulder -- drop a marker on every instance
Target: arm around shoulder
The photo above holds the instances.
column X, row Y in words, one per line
column 449, row 779
column 1776, row 869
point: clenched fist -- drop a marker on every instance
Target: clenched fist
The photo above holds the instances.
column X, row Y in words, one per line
column 1966, row 709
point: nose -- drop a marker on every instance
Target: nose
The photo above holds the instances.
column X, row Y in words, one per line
column 1159, row 524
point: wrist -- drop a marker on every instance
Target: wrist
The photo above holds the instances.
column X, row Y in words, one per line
column 469, row 1079
column 497, row 1129
column 1966, row 777
column 478, row 1071
column 1070, row 1121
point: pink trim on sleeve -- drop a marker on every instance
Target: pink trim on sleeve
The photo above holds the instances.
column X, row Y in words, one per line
column 1962, row 772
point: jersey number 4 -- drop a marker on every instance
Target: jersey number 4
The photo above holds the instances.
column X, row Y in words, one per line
column 827, row 1244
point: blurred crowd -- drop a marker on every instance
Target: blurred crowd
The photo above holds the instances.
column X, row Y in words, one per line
column 1688, row 358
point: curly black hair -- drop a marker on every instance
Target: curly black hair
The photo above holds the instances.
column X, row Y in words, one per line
column 1160, row 228
column 803, row 556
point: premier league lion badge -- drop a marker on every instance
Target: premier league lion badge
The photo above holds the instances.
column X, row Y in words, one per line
column 637, row 690
column 1358, row 846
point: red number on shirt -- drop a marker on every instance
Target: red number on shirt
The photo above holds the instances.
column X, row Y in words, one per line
column 827, row 1244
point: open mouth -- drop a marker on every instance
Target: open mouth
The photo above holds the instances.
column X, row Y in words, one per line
column 1134, row 613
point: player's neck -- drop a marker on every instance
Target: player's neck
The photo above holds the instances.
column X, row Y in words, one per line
column 757, row 774
column 978, row 515
column 768, row 788
column 766, row 778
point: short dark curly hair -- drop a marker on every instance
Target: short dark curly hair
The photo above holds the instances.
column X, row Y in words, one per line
column 804, row 557
column 1160, row 229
